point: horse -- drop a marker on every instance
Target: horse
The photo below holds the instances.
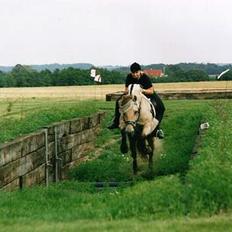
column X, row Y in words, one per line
column 138, row 124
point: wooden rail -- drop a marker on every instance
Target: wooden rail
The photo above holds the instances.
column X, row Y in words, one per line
column 184, row 94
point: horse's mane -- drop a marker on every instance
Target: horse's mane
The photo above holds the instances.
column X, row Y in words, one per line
column 125, row 99
column 125, row 103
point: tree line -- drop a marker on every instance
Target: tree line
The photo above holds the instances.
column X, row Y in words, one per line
column 25, row 76
column 175, row 73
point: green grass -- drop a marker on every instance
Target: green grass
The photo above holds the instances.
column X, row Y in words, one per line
column 35, row 115
column 71, row 201
column 183, row 195
column 209, row 179
column 70, row 205
column 217, row 223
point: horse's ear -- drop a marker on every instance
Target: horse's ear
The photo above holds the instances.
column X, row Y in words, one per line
column 135, row 98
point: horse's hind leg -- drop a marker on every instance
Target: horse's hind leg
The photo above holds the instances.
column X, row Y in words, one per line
column 123, row 146
column 150, row 141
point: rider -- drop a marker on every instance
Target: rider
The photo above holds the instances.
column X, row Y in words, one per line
column 137, row 76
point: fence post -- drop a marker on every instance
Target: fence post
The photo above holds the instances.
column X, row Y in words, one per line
column 20, row 182
column 57, row 159
column 47, row 163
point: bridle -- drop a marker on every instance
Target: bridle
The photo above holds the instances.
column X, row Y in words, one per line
column 133, row 122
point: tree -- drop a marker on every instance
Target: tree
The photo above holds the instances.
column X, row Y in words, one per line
column 45, row 78
column 175, row 72
column 196, row 75
column 3, row 79
column 23, row 76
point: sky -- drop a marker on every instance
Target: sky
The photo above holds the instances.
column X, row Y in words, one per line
column 115, row 32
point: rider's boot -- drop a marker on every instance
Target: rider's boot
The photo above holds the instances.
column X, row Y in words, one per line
column 115, row 121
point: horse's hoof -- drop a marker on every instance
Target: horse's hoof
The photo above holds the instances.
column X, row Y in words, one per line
column 123, row 149
column 147, row 150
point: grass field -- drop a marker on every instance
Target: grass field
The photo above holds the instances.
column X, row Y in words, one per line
column 183, row 195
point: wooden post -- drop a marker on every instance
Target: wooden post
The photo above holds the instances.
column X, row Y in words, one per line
column 46, row 157
column 57, row 159
column 20, row 182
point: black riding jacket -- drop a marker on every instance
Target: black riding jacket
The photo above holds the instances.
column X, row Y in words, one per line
column 144, row 81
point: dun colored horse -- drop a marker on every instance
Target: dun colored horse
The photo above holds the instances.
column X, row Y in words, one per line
column 138, row 123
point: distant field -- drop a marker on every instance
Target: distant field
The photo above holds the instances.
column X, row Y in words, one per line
column 99, row 91
column 194, row 85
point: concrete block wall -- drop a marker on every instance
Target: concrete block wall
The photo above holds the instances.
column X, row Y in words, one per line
column 23, row 161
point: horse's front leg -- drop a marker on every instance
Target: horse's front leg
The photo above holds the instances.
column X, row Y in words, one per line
column 133, row 142
column 150, row 141
column 123, row 146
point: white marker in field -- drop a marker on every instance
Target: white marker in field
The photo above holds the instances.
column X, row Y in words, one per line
column 93, row 73
column 97, row 78
column 224, row 72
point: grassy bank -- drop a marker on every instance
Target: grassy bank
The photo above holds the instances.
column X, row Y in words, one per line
column 34, row 114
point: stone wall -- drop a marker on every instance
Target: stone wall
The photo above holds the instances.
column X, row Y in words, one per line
column 46, row 155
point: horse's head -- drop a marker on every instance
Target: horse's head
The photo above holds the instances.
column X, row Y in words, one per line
column 129, row 109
